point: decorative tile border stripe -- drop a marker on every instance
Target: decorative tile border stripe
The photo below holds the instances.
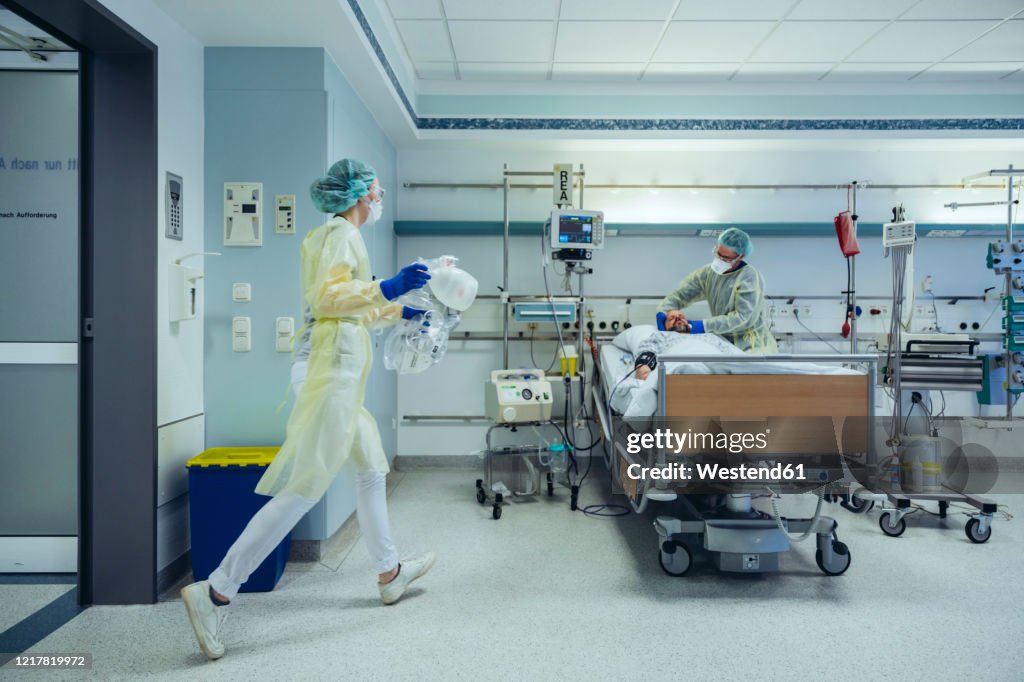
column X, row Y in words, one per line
column 382, row 58
column 710, row 124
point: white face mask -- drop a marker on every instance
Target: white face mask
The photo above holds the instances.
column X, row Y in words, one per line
column 376, row 209
column 720, row 266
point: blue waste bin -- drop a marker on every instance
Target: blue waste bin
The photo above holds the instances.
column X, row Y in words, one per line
column 222, row 500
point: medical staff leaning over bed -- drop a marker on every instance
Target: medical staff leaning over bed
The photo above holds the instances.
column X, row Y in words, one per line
column 328, row 425
column 734, row 291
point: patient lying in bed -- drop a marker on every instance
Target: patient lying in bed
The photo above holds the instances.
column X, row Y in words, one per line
column 646, row 352
column 637, row 395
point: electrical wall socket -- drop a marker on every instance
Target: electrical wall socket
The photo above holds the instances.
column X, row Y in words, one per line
column 805, row 311
column 926, row 284
column 783, row 311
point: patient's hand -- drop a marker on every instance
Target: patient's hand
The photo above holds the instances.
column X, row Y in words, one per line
column 642, row 372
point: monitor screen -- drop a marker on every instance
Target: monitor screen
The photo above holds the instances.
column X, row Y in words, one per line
column 576, row 229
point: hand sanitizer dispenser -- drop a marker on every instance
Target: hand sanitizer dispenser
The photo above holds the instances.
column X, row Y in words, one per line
column 182, row 289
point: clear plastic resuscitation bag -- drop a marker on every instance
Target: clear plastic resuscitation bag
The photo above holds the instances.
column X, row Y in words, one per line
column 419, row 343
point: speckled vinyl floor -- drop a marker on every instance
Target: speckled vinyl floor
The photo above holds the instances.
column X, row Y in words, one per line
column 549, row 594
column 21, row 601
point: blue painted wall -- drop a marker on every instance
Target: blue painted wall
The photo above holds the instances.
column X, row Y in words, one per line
column 275, row 115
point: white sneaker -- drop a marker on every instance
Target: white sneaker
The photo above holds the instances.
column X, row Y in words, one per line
column 409, row 570
column 206, row 618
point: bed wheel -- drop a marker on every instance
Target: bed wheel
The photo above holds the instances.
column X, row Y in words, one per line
column 858, row 505
column 481, row 496
column 971, row 529
column 893, row 532
column 677, row 562
column 840, row 562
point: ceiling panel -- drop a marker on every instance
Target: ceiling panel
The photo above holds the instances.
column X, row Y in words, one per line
column 711, row 41
column 500, row 9
column 435, row 71
column 912, row 41
column 955, row 71
column 815, row 41
column 783, row 72
column 426, row 41
column 844, row 10
column 415, row 9
column 731, row 10
column 876, row 72
column 593, row 71
column 505, row 41
column 658, row 10
column 505, row 72
column 690, row 72
column 606, row 41
column 1003, row 44
column 965, row 9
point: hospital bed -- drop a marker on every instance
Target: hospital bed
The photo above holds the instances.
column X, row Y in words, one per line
column 734, row 534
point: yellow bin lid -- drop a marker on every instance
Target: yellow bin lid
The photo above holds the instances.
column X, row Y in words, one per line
column 239, row 457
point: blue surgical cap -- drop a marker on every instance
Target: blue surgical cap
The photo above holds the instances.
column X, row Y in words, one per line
column 345, row 183
column 737, row 240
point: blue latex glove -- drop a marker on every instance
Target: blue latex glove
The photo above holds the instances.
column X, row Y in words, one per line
column 409, row 313
column 661, row 322
column 410, row 277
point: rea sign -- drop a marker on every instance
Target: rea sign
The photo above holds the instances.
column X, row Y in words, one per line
column 563, row 184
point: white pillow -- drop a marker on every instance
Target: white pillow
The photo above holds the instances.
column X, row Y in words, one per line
column 629, row 339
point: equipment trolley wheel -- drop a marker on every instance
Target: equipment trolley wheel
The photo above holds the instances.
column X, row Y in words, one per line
column 481, row 496
column 551, row 484
column 891, row 531
column 839, row 567
column 674, row 558
column 974, row 535
column 496, row 512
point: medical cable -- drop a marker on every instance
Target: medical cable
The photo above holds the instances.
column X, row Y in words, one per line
column 820, row 492
column 801, row 323
column 554, row 358
column 996, row 308
column 611, row 395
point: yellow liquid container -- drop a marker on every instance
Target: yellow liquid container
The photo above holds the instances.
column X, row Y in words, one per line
column 567, row 357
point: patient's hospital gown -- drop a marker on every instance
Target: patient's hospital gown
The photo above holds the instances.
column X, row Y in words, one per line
column 737, row 305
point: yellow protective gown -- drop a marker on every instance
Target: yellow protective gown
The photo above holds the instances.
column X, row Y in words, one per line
column 737, row 306
column 329, row 423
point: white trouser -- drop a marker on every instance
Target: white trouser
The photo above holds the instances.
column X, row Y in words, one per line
column 278, row 516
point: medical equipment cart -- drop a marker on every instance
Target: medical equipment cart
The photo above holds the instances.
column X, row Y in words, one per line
column 516, row 461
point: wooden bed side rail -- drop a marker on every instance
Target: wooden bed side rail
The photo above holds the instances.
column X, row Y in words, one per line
column 767, row 395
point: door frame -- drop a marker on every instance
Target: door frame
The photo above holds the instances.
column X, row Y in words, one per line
column 119, row 208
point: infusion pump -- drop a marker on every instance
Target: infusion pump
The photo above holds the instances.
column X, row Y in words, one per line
column 514, row 396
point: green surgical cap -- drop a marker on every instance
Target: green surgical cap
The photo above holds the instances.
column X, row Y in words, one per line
column 345, row 183
column 737, row 240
